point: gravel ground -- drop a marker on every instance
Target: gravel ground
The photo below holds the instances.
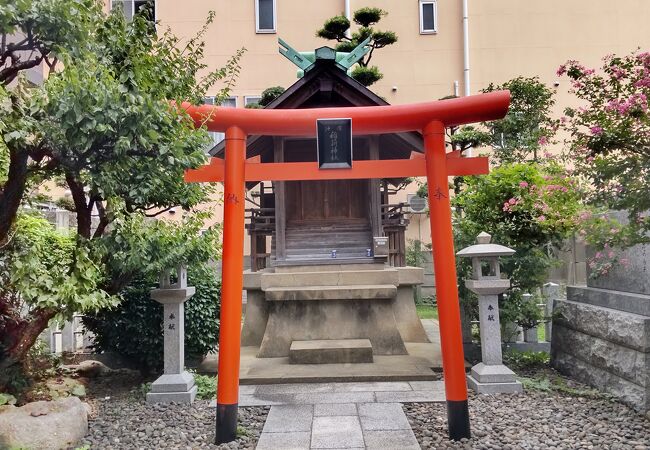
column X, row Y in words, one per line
column 121, row 419
column 535, row 420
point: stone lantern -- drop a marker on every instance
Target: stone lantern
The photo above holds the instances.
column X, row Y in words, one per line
column 489, row 376
column 175, row 384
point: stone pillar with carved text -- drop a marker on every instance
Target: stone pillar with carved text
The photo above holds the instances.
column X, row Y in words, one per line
column 175, row 384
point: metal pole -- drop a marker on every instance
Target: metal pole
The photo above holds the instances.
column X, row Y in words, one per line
column 466, row 81
column 232, row 280
column 348, row 33
column 467, row 87
column 444, row 258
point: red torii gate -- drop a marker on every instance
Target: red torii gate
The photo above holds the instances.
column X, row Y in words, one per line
column 430, row 119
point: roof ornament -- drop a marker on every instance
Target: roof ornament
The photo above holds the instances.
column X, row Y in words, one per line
column 306, row 60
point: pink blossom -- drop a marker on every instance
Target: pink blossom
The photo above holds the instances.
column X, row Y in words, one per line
column 598, row 255
column 617, row 72
column 644, row 82
column 541, row 218
column 596, row 130
column 610, row 255
column 542, row 140
column 512, row 201
column 561, row 70
column 523, row 184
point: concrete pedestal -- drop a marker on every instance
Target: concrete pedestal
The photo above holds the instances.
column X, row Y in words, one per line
column 493, row 379
column 307, row 303
column 178, row 388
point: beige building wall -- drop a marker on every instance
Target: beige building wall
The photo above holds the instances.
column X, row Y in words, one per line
column 508, row 38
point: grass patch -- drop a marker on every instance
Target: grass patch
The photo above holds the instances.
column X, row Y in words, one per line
column 554, row 383
column 206, row 387
column 427, row 311
column 526, row 360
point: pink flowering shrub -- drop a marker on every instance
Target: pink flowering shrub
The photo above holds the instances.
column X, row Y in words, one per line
column 609, row 147
column 528, row 207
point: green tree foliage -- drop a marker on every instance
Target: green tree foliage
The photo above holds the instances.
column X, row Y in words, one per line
column 527, row 207
column 39, row 31
column 336, row 28
column 101, row 125
column 43, row 274
column 104, row 126
column 528, row 126
column 270, row 94
column 135, row 329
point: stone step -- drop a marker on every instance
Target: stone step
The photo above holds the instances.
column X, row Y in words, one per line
column 330, row 278
column 331, row 351
column 358, row 292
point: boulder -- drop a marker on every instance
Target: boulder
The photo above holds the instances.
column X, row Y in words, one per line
column 88, row 368
column 54, row 425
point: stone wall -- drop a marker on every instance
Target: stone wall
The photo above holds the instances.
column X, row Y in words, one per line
column 601, row 334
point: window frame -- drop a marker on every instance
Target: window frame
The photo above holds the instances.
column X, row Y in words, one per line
column 421, row 4
column 258, row 30
column 218, row 136
column 249, row 97
column 155, row 8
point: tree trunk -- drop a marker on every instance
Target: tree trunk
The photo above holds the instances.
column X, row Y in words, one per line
column 18, row 338
column 83, row 210
column 12, row 192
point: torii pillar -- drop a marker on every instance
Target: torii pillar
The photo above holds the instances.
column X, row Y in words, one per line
column 430, row 119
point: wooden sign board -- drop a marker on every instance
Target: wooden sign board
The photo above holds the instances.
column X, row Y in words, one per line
column 334, row 143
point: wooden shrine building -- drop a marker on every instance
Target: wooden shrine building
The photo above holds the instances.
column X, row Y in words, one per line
column 309, row 220
column 331, row 286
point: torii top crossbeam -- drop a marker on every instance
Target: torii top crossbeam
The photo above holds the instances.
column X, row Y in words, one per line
column 365, row 119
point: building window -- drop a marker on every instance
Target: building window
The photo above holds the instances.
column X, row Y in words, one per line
column 265, row 16
column 132, row 7
column 428, row 16
column 251, row 100
column 217, row 136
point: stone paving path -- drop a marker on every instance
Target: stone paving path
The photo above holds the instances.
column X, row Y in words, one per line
column 339, row 415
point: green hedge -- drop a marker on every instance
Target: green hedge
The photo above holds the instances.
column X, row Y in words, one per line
column 135, row 328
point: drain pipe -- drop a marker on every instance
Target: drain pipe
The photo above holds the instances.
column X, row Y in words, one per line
column 465, row 48
column 348, row 33
column 466, row 82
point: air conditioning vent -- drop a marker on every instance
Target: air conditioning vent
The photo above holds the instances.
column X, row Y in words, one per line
column 417, row 205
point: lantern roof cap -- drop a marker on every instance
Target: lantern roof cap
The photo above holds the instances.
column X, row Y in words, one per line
column 483, row 248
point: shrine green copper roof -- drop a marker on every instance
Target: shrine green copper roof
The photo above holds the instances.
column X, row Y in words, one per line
column 306, row 60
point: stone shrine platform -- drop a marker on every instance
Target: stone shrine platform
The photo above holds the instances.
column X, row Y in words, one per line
column 423, row 362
